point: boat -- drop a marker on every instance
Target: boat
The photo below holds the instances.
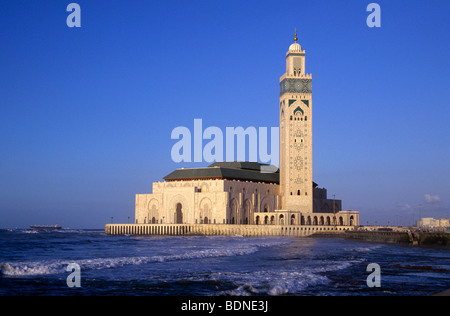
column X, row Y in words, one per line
column 43, row 227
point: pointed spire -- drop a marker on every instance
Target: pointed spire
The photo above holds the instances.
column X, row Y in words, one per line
column 295, row 35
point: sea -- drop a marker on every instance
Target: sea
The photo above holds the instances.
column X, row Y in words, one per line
column 86, row 262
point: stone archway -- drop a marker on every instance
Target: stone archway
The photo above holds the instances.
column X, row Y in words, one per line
column 245, row 219
column 205, row 214
column 153, row 210
column 281, row 219
column 292, row 219
column 234, row 212
column 179, row 211
column 179, row 214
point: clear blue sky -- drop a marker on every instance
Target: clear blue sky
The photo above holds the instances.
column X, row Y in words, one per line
column 87, row 113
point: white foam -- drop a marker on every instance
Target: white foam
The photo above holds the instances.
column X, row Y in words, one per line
column 277, row 290
column 271, row 282
column 285, row 281
column 243, row 290
column 27, row 269
column 58, row 266
column 364, row 249
column 30, row 232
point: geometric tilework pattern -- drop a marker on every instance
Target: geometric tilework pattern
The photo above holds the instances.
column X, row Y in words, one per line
column 292, row 85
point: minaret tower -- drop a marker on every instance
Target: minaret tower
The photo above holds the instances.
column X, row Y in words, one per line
column 296, row 182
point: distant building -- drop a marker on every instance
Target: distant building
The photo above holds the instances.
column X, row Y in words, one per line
column 429, row 222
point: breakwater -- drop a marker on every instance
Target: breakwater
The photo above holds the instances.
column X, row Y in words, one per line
column 423, row 239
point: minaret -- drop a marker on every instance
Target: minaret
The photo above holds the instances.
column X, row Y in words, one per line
column 296, row 182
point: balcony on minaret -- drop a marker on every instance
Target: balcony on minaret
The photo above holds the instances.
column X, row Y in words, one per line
column 301, row 76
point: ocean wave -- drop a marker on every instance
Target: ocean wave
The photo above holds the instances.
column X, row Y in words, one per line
column 273, row 283
column 333, row 265
column 27, row 269
column 30, row 231
column 66, row 230
column 363, row 249
column 57, row 266
column 18, row 230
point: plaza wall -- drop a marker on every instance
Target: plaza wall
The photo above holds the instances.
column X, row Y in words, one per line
column 220, row 229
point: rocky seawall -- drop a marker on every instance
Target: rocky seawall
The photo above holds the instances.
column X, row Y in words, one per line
column 422, row 239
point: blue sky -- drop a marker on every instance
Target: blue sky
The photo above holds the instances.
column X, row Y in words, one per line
column 87, row 113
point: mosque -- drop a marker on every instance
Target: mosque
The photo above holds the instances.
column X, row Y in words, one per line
column 244, row 193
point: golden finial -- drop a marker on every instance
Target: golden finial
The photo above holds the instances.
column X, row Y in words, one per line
column 295, row 36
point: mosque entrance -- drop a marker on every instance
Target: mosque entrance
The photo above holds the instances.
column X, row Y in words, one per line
column 179, row 214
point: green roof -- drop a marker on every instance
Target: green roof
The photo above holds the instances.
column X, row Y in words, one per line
column 235, row 170
column 239, row 170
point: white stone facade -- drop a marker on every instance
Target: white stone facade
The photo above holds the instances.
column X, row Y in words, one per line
column 287, row 202
column 227, row 202
column 206, row 202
